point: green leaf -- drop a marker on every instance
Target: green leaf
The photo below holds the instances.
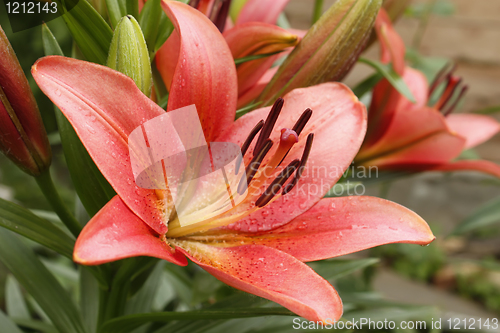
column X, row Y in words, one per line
column 244, row 110
column 150, row 21
column 92, row 188
column 89, row 30
column 120, row 8
column 254, row 57
column 8, row 325
column 127, row 323
column 24, row 222
column 396, row 81
column 336, row 268
column 489, row 110
column 36, row 325
column 39, row 283
column 50, row 44
column 15, row 303
column 366, row 85
column 89, row 300
column 143, row 300
column 485, row 216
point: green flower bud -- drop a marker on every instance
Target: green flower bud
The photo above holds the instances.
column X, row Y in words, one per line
column 328, row 50
column 128, row 53
column 22, row 136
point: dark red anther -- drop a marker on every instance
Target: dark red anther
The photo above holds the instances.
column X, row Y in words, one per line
column 254, row 165
column 303, row 161
column 269, row 124
column 277, row 184
column 301, row 123
column 218, row 14
column 456, row 101
column 443, row 74
column 247, row 143
column 194, row 3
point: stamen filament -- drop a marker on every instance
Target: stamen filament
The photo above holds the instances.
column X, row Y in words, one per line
column 254, row 165
column 451, row 85
column 303, row 161
column 277, row 184
column 456, row 101
column 247, row 143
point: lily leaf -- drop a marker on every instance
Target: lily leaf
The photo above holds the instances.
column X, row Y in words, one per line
column 89, row 300
column 15, row 303
column 489, row 110
column 366, row 85
column 120, row 8
column 254, row 57
column 36, row 325
column 8, row 325
column 337, row 268
column 485, row 216
column 39, row 283
column 24, row 222
column 88, row 28
column 127, row 323
column 92, row 188
column 391, row 76
column 155, row 25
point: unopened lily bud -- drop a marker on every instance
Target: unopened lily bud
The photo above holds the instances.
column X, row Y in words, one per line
column 329, row 49
column 22, row 136
column 128, row 53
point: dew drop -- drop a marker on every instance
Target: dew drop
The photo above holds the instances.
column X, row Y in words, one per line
column 58, row 92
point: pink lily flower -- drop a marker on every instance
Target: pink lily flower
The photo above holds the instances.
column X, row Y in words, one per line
column 415, row 137
column 254, row 35
column 259, row 246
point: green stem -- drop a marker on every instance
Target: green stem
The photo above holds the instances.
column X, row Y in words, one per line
column 318, row 10
column 422, row 26
column 44, row 181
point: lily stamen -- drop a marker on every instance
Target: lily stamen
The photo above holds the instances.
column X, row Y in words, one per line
column 269, row 124
column 273, row 189
column 456, row 101
column 254, row 165
column 451, row 85
column 303, row 161
column 301, row 123
column 247, row 144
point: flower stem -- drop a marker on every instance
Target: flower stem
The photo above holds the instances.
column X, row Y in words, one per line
column 44, row 181
column 318, row 10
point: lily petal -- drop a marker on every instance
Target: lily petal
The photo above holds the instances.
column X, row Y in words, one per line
column 205, row 74
column 411, row 131
column 339, row 226
column 387, row 100
column 271, row 274
column 470, row 165
column 261, row 11
column 437, row 148
column 475, row 128
column 254, row 38
column 103, row 116
column 115, row 232
column 253, row 92
column 338, row 117
column 391, row 44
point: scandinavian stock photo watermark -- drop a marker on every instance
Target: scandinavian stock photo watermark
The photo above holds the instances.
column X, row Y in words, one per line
column 170, row 153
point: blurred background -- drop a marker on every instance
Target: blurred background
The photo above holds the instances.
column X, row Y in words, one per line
column 459, row 273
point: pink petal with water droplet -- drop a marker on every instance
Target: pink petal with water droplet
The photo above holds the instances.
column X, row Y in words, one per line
column 271, row 274
column 115, row 233
column 104, row 107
